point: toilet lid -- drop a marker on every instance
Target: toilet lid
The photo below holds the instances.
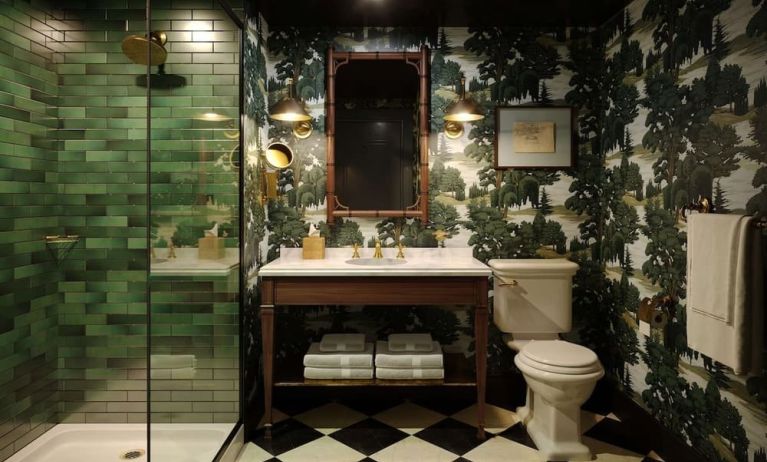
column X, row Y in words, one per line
column 560, row 357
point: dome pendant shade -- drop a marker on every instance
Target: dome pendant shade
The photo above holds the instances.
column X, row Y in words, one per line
column 465, row 109
column 289, row 109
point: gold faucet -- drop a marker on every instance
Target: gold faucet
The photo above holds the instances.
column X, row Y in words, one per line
column 401, row 251
column 378, row 253
column 356, row 253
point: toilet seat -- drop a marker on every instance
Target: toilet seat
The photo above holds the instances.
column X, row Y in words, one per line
column 559, row 357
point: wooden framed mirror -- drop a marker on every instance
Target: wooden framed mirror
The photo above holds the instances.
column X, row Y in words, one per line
column 377, row 130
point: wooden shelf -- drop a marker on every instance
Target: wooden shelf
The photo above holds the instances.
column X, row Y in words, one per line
column 459, row 372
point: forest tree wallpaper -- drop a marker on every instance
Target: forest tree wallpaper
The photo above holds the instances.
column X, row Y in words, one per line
column 672, row 104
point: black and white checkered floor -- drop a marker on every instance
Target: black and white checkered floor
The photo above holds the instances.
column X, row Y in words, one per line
column 384, row 431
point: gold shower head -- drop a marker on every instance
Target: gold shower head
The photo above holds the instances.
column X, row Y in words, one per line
column 135, row 48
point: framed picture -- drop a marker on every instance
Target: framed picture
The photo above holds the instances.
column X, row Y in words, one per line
column 535, row 137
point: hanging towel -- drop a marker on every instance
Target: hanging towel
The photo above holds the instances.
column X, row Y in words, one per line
column 337, row 373
column 342, row 342
column 408, row 360
column 725, row 318
column 410, row 342
column 355, row 360
column 387, row 373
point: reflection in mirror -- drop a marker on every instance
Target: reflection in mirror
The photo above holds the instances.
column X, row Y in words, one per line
column 377, row 134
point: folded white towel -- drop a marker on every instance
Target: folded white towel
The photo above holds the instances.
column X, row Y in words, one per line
column 172, row 361
column 408, row 360
column 316, row 358
column 342, row 342
column 387, row 373
column 725, row 318
column 334, row 373
column 410, row 342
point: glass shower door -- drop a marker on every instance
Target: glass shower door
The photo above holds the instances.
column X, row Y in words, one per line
column 194, row 327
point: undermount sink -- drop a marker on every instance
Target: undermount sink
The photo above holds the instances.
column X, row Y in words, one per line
column 376, row 261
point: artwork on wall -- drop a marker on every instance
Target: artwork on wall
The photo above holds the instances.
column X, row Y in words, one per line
column 534, row 137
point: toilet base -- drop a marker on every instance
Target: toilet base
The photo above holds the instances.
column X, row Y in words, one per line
column 556, row 431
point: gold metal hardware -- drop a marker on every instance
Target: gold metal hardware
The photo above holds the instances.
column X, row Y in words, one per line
column 356, row 253
column 378, row 253
column 453, row 130
column 401, row 250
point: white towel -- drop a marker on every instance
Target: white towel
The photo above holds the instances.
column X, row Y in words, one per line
column 410, row 342
column 725, row 318
column 355, row 360
column 408, row 360
column 386, row 373
column 342, row 342
column 336, row 373
column 172, row 361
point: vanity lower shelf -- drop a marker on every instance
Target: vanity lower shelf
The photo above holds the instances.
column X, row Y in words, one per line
column 459, row 372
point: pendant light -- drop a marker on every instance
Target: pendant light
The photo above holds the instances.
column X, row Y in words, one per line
column 289, row 109
column 465, row 109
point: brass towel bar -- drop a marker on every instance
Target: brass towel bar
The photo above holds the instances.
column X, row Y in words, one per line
column 703, row 205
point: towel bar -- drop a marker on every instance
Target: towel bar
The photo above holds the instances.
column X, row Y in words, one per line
column 704, row 205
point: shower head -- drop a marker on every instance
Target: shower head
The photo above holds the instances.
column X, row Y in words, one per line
column 135, row 48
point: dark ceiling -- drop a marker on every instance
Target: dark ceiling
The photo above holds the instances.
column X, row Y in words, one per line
column 433, row 13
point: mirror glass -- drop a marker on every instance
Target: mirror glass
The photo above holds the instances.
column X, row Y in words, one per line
column 377, row 134
column 376, row 138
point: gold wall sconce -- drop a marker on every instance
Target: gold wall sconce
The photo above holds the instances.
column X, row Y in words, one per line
column 465, row 109
column 453, row 130
column 276, row 157
column 291, row 110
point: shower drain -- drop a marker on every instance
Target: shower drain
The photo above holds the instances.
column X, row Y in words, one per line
column 132, row 454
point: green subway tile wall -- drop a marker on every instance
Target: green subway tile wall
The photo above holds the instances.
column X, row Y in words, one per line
column 29, row 210
column 73, row 151
column 195, row 158
column 102, row 186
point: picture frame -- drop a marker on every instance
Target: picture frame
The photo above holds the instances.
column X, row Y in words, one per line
column 535, row 137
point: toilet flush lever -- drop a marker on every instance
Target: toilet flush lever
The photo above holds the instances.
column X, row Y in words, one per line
column 511, row 283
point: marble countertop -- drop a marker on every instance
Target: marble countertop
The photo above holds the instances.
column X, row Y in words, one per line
column 187, row 263
column 418, row 262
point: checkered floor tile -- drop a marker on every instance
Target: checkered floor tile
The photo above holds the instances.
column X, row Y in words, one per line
column 428, row 432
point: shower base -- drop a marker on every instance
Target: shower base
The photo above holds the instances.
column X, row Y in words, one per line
column 126, row 442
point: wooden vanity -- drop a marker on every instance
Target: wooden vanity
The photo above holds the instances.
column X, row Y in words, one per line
column 429, row 277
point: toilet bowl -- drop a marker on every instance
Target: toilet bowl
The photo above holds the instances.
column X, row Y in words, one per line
column 532, row 306
column 560, row 377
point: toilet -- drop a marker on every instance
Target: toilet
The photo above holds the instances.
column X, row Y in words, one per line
column 532, row 305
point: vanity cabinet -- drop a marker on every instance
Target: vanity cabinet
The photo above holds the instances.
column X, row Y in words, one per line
column 426, row 280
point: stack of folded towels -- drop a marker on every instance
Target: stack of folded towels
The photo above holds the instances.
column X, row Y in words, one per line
column 409, row 356
column 339, row 356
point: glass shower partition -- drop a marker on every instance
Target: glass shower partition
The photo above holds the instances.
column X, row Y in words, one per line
column 194, row 230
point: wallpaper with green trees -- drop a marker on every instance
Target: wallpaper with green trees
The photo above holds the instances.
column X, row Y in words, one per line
column 672, row 103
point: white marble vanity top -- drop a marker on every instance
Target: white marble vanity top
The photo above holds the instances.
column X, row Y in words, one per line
column 187, row 263
column 418, row 262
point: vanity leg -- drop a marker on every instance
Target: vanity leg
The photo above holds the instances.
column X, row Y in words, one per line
column 480, row 340
column 267, row 340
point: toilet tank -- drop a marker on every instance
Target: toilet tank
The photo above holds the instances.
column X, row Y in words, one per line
column 533, row 296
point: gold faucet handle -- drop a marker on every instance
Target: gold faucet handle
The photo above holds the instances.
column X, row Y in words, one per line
column 356, row 253
column 401, row 250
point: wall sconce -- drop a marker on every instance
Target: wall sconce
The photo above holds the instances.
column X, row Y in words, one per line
column 277, row 156
column 458, row 112
column 289, row 109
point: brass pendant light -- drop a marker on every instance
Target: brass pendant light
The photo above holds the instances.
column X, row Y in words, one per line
column 289, row 109
column 465, row 109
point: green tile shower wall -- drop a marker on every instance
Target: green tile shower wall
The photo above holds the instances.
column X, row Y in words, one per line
column 102, row 190
column 28, row 210
column 103, row 176
column 73, row 160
